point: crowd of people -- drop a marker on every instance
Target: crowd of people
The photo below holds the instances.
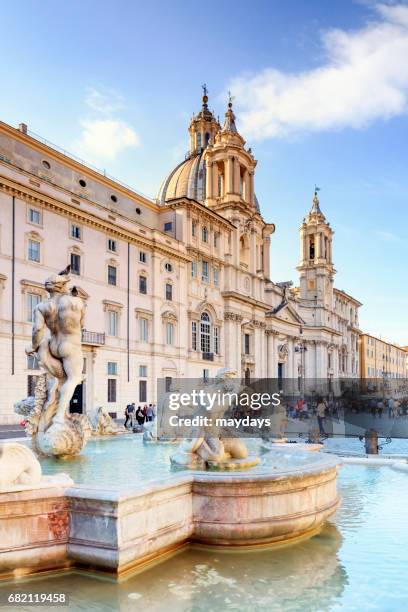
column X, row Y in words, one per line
column 140, row 415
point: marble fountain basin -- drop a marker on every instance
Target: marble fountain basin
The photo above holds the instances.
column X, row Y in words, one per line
column 287, row 497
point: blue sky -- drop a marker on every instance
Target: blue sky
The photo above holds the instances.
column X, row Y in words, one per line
column 321, row 92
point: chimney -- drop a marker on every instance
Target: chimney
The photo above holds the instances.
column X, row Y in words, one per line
column 23, row 128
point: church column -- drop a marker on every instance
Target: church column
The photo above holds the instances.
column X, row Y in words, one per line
column 252, row 252
column 209, row 183
column 229, row 340
column 264, row 373
column 238, row 349
column 237, row 174
column 251, row 188
column 271, row 348
column 229, row 171
column 317, row 246
column 247, row 195
column 215, row 179
column 266, row 256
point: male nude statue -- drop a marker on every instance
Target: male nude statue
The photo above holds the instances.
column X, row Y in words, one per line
column 56, row 340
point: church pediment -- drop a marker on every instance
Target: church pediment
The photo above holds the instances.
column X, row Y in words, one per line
column 286, row 312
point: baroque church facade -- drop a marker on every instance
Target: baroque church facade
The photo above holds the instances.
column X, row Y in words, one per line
column 175, row 287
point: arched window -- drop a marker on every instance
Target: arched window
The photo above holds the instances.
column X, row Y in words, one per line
column 199, row 144
column 205, row 333
column 207, row 138
column 311, row 248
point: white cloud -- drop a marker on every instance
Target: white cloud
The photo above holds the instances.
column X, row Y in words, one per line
column 363, row 78
column 104, row 139
column 103, row 134
column 106, row 102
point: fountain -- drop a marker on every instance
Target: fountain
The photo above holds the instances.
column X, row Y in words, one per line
column 49, row 523
column 56, row 342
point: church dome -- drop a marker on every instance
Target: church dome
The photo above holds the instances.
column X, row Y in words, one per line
column 185, row 180
column 188, row 179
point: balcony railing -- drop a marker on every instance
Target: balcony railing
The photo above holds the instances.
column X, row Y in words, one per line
column 208, row 356
column 93, row 338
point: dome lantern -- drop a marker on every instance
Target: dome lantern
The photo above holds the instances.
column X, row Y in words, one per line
column 203, row 127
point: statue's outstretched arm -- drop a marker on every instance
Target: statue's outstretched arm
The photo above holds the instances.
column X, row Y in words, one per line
column 38, row 328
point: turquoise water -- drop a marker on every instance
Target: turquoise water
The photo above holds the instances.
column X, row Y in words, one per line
column 357, row 563
column 125, row 461
column 117, row 462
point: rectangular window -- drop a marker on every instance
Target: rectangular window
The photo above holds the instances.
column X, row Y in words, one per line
column 34, row 250
column 169, row 292
column 142, row 390
column 144, row 330
column 216, row 239
column 169, row 334
column 142, row 285
column 167, row 383
column 194, row 228
column 112, row 246
column 204, row 271
column 143, row 371
column 194, row 268
column 111, row 390
column 112, row 275
column 32, row 362
column 32, row 300
column 75, row 264
column 216, row 340
column 246, row 343
column 168, row 227
column 34, row 216
column 216, row 276
column 76, row 232
column 142, row 257
column 112, row 368
column 112, row 323
column 194, row 335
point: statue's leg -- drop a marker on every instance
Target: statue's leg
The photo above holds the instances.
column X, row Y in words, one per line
column 73, row 371
column 56, row 376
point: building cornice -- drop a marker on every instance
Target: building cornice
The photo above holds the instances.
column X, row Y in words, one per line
column 84, row 169
column 202, row 210
column 245, row 299
column 32, row 196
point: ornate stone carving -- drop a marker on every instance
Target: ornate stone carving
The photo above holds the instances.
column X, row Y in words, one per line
column 56, row 341
column 232, row 316
column 257, row 323
column 18, row 466
column 283, row 351
column 103, row 424
column 208, row 447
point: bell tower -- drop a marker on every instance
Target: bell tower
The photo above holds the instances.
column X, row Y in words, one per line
column 316, row 265
column 230, row 169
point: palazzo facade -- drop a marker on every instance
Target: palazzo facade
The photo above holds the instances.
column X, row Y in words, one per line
column 175, row 287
